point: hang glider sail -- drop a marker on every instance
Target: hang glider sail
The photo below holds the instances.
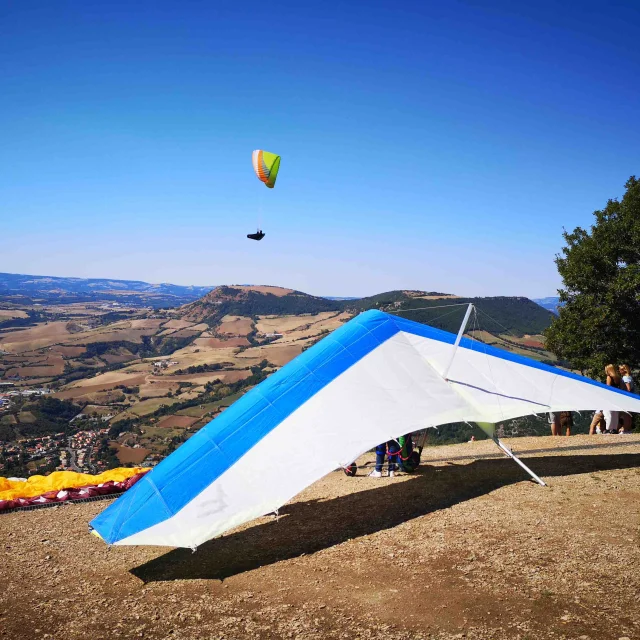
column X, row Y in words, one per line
column 266, row 165
column 376, row 378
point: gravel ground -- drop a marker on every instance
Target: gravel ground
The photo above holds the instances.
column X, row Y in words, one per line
column 465, row 548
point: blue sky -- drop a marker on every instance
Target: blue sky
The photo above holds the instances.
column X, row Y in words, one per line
column 426, row 145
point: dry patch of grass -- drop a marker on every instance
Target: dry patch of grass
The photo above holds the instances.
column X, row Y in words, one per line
column 203, row 378
column 194, row 355
column 145, row 407
column 129, row 455
column 276, row 291
column 124, row 356
column 101, row 383
column 235, row 325
column 157, row 389
column 68, row 352
column 176, row 422
column 9, row 314
column 42, row 335
column 275, row 353
column 177, row 324
column 53, row 365
column 112, row 378
column 284, row 324
column 217, row 343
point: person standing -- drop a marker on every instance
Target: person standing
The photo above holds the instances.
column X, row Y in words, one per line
column 597, row 424
column 566, row 422
column 554, row 421
column 627, row 385
column 391, row 448
column 613, row 380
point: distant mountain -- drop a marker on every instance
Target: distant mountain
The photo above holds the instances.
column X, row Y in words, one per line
column 551, row 303
column 501, row 314
column 50, row 289
column 252, row 300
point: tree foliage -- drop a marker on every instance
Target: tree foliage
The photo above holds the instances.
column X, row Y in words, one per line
column 600, row 269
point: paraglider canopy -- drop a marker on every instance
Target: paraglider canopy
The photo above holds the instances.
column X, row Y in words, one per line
column 266, row 166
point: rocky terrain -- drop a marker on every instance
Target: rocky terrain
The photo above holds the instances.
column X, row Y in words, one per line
column 465, row 548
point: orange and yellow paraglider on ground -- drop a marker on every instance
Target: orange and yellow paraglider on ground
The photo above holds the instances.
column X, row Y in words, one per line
column 61, row 486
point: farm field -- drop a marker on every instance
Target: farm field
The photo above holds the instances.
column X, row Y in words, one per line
column 7, row 314
column 176, row 422
column 129, row 455
column 235, row 325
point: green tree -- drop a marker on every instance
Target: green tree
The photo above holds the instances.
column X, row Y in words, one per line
column 600, row 268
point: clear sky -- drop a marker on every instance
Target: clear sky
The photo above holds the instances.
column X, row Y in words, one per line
column 430, row 145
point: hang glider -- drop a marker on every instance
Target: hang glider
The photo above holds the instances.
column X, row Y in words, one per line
column 375, row 378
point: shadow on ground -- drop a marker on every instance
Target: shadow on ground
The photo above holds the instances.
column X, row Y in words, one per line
column 308, row 527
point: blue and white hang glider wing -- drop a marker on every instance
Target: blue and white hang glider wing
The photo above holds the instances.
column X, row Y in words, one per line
column 375, row 378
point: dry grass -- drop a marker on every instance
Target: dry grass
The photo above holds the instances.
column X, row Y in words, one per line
column 129, row 455
column 176, row 422
column 283, row 324
column 88, row 387
column 42, row 335
column 177, row 324
column 276, row 291
column 216, row 343
column 69, row 352
column 110, row 379
column 275, row 353
column 145, row 407
column 9, row 314
column 235, row 325
column 156, row 389
column 51, row 365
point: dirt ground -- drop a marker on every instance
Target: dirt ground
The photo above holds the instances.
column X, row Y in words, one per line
column 467, row 547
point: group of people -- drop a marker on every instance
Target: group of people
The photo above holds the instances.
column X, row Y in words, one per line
column 401, row 454
column 614, row 421
column 603, row 421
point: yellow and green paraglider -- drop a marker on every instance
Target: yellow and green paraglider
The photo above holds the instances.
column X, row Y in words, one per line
column 266, row 165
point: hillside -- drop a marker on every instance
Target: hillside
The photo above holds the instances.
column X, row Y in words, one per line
column 28, row 289
column 253, row 300
column 465, row 548
column 501, row 314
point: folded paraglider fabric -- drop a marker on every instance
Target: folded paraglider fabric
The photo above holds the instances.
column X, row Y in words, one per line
column 61, row 486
